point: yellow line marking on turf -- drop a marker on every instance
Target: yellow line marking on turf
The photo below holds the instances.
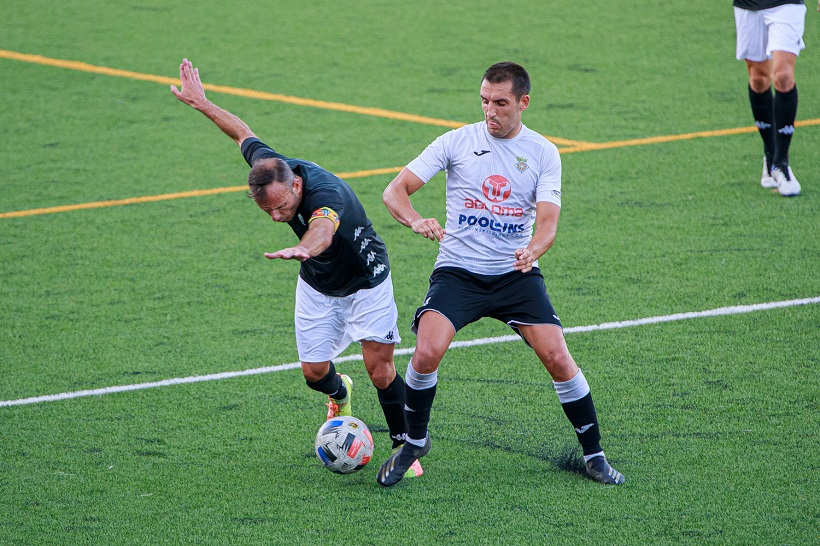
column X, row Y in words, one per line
column 169, row 196
column 572, row 146
column 590, row 146
column 250, row 93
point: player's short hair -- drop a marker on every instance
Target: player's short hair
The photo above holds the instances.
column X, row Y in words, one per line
column 506, row 72
column 267, row 171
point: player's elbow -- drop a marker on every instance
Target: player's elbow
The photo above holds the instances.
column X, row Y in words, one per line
column 389, row 196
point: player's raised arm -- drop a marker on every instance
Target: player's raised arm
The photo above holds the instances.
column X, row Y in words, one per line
column 396, row 198
column 193, row 94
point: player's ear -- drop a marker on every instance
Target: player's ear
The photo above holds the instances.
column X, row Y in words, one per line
column 297, row 184
column 524, row 102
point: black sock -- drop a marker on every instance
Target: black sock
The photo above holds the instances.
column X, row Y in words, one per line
column 331, row 384
column 417, row 411
column 763, row 112
column 581, row 413
column 392, row 402
column 785, row 112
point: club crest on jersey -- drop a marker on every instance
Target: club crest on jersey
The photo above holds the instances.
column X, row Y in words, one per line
column 522, row 164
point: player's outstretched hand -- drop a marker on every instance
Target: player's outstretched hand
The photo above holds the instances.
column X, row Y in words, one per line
column 429, row 227
column 192, row 93
column 523, row 260
column 293, row 253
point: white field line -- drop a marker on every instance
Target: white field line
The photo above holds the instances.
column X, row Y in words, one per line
column 733, row 310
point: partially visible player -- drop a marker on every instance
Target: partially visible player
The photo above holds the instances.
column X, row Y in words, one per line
column 503, row 201
column 769, row 39
column 344, row 293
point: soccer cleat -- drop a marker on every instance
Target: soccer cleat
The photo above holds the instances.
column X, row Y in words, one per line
column 415, row 469
column 400, row 463
column 336, row 408
column 787, row 184
column 599, row 470
column 766, row 178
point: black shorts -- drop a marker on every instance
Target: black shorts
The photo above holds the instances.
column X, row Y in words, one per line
column 464, row 297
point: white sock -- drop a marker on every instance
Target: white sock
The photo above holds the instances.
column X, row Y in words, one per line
column 593, row 455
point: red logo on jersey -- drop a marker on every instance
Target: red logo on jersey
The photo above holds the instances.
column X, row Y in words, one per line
column 496, row 188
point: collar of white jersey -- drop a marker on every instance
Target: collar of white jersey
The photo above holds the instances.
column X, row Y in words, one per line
column 502, row 140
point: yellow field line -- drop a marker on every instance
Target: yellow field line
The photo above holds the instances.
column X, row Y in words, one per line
column 590, row 146
column 250, row 93
column 168, row 196
column 572, row 146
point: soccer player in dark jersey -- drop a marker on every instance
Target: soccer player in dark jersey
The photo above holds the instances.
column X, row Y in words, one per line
column 344, row 293
column 503, row 202
column 769, row 39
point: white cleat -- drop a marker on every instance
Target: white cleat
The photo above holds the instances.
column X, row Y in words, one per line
column 787, row 184
column 766, row 178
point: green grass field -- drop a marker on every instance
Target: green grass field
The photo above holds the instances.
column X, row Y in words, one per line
column 713, row 419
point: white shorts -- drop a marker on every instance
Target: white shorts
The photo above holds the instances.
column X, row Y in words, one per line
column 326, row 325
column 775, row 29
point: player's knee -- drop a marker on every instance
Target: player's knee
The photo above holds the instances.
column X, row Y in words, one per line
column 559, row 364
column 382, row 374
column 759, row 82
column 426, row 358
column 784, row 80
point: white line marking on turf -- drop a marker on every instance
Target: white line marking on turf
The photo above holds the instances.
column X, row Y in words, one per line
column 733, row 310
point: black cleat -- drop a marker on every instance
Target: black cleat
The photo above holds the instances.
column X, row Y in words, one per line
column 394, row 468
column 599, row 470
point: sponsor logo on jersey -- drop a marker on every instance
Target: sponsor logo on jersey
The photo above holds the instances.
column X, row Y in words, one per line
column 496, row 188
column 326, row 212
column 489, row 224
column 482, row 152
column 522, row 164
column 498, row 210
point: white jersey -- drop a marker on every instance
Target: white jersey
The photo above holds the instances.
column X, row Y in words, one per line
column 493, row 185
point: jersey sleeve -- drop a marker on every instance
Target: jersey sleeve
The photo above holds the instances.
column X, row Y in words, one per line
column 325, row 202
column 432, row 160
column 548, row 187
column 254, row 149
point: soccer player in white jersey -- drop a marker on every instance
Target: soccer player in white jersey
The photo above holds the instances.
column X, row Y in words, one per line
column 769, row 39
column 503, row 203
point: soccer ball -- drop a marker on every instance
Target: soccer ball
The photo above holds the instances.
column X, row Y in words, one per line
column 344, row 445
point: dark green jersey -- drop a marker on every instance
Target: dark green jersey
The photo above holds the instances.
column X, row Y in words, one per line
column 757, row 5
column 357, row 257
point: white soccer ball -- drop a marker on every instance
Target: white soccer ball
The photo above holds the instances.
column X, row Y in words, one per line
column 344, row 445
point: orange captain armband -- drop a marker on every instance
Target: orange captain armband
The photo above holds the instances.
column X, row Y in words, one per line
column 326, row 212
